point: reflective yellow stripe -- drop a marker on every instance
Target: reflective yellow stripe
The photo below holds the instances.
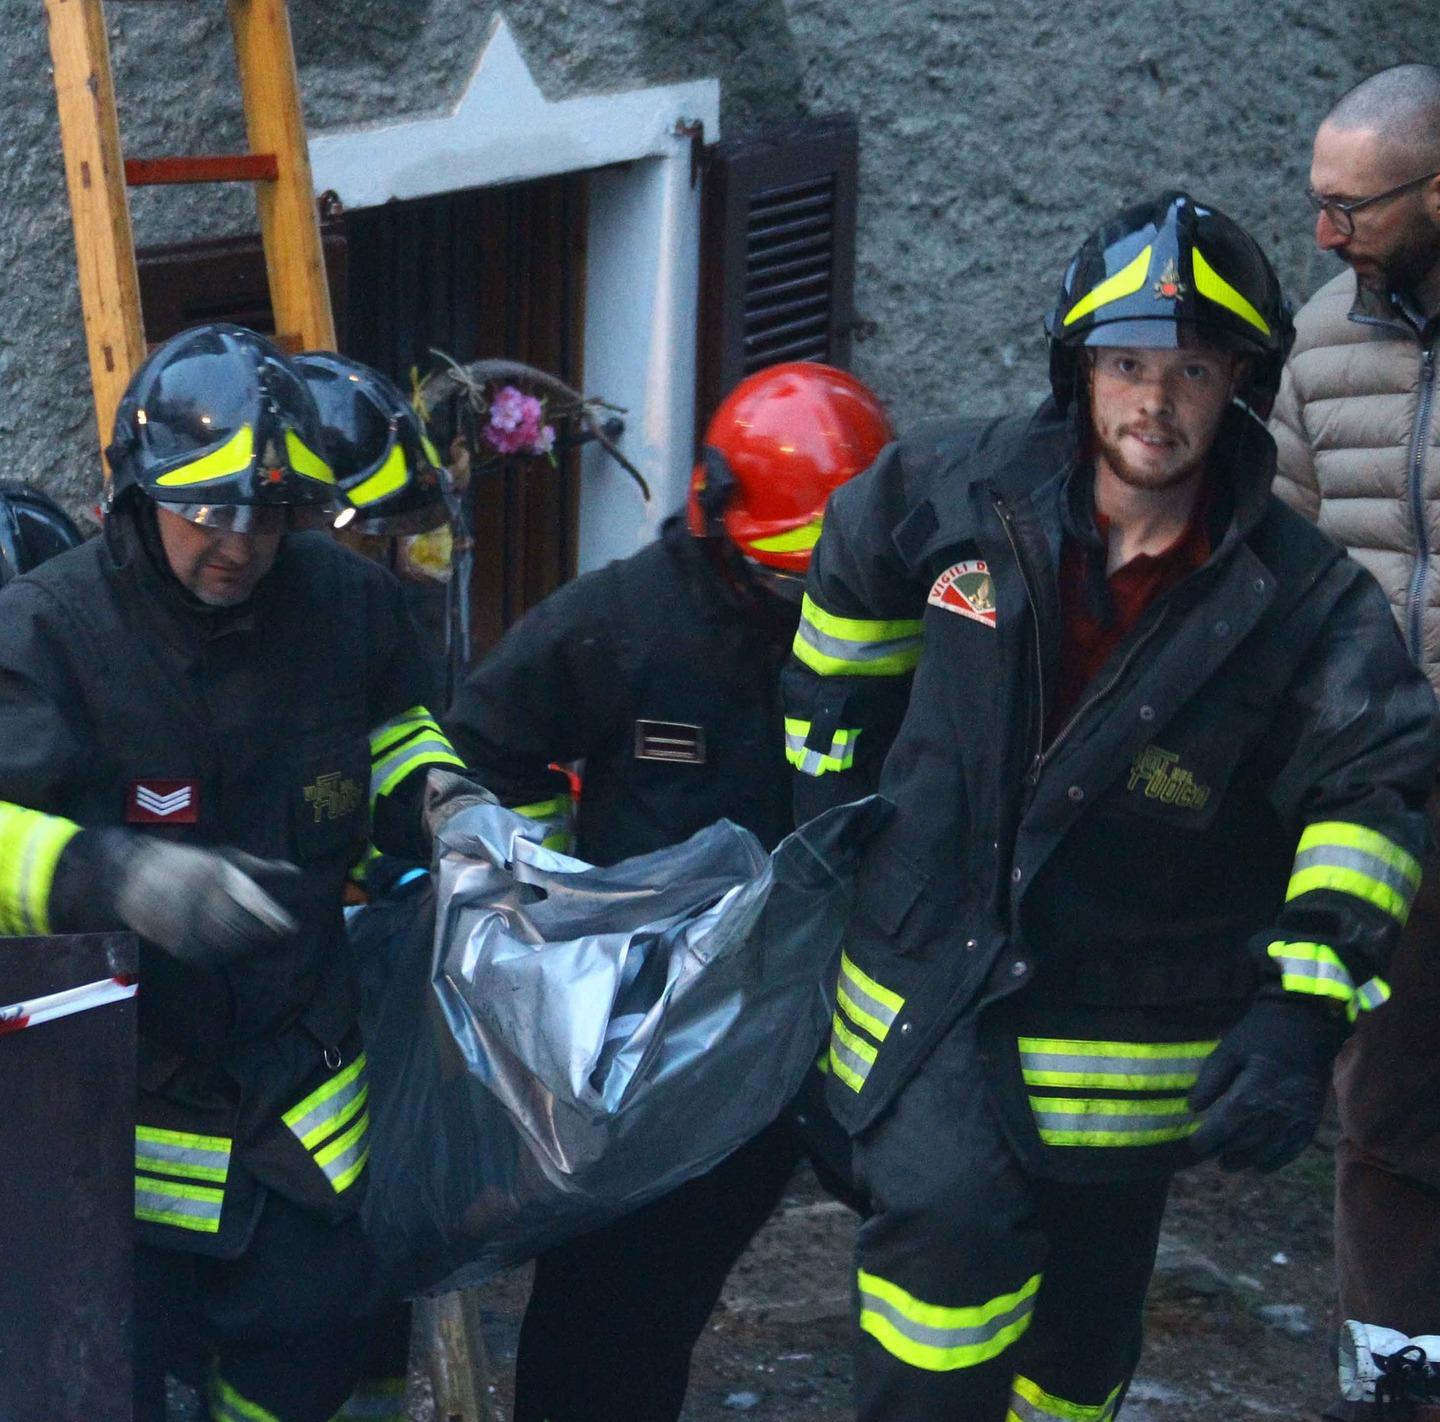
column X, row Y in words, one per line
column 1128, row 280
column 863, row 980
column 793, row 540
column 1090, row 1121
column 1211, row 285
column 937, row 1337
column 431, row 453
column 344, row 1158
column 227, row 1405
column 867, row 1003
column 304, row 460
column 1115, row 1066
column 31, row 844
column 1346, row 858
column 1312, row 968
column 851, row 1057
column 1029, row 1402
column 398, row 727
column 169, row 1202
column 309, row 1119
column 1372, row 994
column 407, row 743
column 181, row 1153
column 386, row 480
column 841, row 755
column 855, row 646
column 237, row 453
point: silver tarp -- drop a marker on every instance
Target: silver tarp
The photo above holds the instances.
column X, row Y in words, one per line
column 584, row 1039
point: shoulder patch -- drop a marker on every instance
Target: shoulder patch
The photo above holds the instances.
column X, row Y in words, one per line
column 966, row 588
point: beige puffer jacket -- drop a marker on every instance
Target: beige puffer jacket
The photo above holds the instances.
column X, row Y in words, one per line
column 1357, row 429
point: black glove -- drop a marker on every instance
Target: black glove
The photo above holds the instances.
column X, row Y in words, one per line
column 202, row 906
column 1263, row 1088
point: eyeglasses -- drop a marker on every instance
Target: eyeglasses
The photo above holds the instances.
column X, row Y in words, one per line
column 1342, row 214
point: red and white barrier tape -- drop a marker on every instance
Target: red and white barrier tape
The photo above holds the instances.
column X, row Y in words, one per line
column 20, row 1015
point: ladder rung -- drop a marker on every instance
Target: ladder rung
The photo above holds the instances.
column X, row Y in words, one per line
column 204, row 168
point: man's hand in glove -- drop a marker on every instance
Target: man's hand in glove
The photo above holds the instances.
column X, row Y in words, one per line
column 1263, row 1088
column 202, row 906
column 446, row 795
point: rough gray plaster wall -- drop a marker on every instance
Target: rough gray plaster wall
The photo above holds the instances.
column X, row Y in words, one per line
column 993, row 135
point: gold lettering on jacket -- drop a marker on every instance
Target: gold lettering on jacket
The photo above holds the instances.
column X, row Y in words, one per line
column 334, row 796
column 1162, row 777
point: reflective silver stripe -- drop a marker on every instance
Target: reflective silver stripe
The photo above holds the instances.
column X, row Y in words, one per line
column 1319, row 969
column 932, row 1336
column 1335, row 856
column 194, row 1207
column 882, row 1014
column 843, row 649
column 1372, row 994
column 345, row 1156
column 846, row 1059
column 171, row 1159
column 389, row 772
column 329, row 1105
column 1139, row 1072
column 1029, row 1402
column 1111, row 1122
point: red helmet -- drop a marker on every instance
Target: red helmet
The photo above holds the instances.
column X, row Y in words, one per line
column 780, row 442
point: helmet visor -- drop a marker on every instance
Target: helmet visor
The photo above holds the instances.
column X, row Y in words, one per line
column 1156, row 333
column 255, row 518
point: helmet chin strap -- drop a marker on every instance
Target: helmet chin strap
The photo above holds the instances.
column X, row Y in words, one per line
column 718, row 490
column 788, row 587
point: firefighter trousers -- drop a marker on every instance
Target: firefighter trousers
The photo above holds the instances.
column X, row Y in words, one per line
column 614, row 1315
column 278, row 1335
column 985, row 1293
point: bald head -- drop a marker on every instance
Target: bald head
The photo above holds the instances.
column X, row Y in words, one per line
column 1400, row 108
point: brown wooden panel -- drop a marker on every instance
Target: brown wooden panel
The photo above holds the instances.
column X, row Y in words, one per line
column 490, row 272
column 67, row 1187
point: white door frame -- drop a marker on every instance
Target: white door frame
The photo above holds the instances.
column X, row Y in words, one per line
column 643, row 246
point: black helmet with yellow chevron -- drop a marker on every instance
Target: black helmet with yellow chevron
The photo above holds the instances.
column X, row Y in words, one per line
column 1166, row 273
column 384, row 461
column 218, row 426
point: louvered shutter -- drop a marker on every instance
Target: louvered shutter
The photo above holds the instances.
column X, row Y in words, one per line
column 778, row 253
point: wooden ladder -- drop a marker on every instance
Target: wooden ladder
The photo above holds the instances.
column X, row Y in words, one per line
column 97, row 176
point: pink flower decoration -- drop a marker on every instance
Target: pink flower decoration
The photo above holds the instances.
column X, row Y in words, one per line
column 514, row 426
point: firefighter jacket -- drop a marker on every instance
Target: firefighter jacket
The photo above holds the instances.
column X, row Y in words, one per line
column 286, row 728
column 662, row 675
column 1234, row 807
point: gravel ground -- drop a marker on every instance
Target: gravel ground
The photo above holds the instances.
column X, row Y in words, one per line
column 1237, row 1321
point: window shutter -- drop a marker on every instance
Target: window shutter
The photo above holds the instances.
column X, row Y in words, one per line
column 778, row 253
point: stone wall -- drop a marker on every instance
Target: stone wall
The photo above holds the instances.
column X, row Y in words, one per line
column 993, row 135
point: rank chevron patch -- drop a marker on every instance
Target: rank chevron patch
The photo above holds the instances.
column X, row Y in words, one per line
column 164, row 802
column 966, row 588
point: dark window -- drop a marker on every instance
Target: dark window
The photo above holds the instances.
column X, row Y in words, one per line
column 778, row 253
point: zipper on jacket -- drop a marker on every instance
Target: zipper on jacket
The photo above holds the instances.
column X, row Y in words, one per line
column 1089, row 701
column 1419, row 439
column 1037, row 758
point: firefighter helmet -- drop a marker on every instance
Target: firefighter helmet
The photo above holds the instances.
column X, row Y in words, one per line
column 1167, row 273
column 33, row 528
column 779, row 444
column 219, row 427
column 384, row 461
